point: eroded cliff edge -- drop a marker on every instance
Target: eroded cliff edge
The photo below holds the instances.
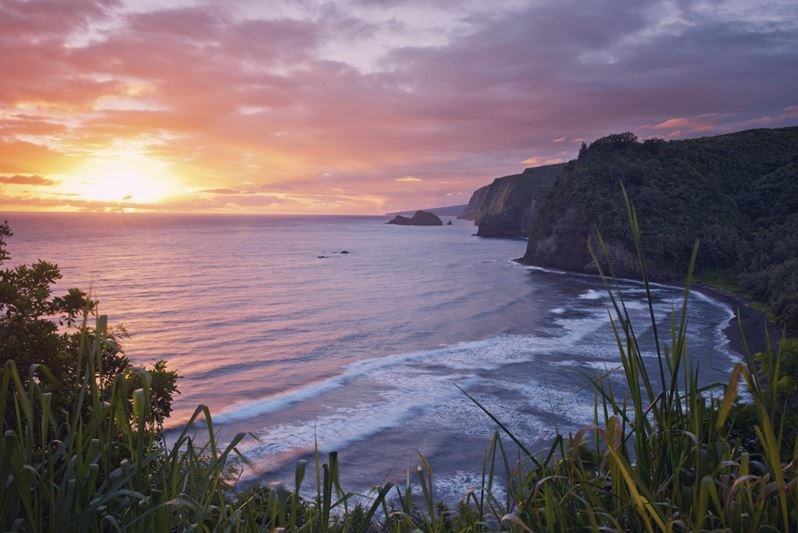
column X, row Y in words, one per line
column 506, row 207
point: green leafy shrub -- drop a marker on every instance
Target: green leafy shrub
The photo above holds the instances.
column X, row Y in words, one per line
column 778, row 375
column 37, row 328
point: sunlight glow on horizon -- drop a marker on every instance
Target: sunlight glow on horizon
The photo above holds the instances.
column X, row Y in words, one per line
column 126, row 177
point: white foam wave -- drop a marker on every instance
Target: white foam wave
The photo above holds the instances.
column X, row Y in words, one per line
column 342, row 425
column 568, row 335
column 601, row 366
column 243, row 410
column 722, row 345
column 412, row 385
column 591, row 294
column 486, row 354
column 494, row 350
column 454, row 487
column 538, row 268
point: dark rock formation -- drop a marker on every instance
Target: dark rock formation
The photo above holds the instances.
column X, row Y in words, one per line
column 564, row 246
column 399, row 220
column 506, row 207
column 475, row 204
column 449, row 223
column 421, row 218
column 448, row 211
column 425, row 218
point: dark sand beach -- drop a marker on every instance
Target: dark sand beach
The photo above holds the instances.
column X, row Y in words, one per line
column 748, row 326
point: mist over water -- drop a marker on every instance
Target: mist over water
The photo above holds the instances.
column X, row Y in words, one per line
column 361, row 351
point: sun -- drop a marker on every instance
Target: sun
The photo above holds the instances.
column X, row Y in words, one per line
column 123, row 178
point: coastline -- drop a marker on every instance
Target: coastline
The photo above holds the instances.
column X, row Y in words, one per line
column 747, row 321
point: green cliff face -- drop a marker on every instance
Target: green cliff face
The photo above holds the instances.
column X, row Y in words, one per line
column 737, row 193
column 506, row 207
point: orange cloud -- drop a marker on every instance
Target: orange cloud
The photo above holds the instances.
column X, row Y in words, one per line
column 671, row 123
column 705, row 122
column 21, row 157
column 537, row 161
column 33, row 179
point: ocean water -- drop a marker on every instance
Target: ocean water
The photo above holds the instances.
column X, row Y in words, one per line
column 288, row 338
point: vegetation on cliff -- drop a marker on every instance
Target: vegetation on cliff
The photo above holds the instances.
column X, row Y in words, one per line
column 737, row 193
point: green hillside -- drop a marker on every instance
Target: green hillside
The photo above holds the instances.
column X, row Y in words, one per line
column 738, row 193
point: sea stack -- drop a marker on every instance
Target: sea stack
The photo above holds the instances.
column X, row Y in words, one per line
column 421, row 218
column 425, row 218
column 399, row 220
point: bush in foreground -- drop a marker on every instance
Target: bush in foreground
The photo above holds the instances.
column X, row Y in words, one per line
column 37, row 328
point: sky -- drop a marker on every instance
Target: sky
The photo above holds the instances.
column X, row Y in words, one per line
column 361, row 106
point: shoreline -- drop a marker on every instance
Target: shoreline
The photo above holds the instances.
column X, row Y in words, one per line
column 747, row 321
column 746, row 317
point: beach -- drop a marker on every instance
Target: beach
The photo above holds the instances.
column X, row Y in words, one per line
column 748, row 327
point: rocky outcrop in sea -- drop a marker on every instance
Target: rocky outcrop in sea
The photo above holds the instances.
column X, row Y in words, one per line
column 421, row 218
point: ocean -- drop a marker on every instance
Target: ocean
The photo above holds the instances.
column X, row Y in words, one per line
column 355, row 335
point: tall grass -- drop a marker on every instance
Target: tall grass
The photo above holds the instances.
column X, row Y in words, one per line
column 658, row 456
column 109, row 470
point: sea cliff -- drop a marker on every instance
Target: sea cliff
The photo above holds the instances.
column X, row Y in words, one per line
column 506, row 207
column 736, row 193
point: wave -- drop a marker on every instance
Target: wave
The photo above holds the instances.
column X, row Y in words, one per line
column 565, row 335
column 531, row 379
column 486, row 354
column 591, row 294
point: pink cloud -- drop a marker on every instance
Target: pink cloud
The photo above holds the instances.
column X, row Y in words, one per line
column 537, row 161
column 671, row 123
column 227, row 100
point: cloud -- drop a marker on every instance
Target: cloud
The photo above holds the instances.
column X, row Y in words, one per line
column 20, row 179
column 347, row 96
column 409, row 179
column 220, row 190
column 537, row 161
column 674, row 127
column 22, row 157
column 671, row 123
